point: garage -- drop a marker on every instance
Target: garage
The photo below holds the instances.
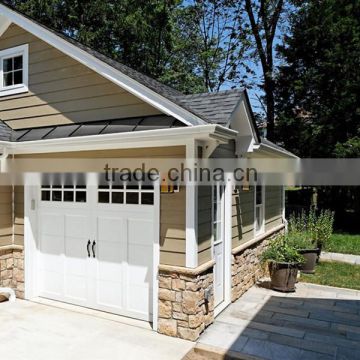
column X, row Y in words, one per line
column 96, row 245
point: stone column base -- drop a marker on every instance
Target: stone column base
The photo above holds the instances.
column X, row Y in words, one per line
column 186, row 301
column 12, row 270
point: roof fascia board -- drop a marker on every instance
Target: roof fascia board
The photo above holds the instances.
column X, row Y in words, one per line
column 252, row 118
column 272, row 150
column 153, row 138
column 4, row 24
column 244, row 105
column 117, row 77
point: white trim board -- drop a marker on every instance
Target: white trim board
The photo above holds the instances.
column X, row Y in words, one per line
column 117, row 77
column 4, row 24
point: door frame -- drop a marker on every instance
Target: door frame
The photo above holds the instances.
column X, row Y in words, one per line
column 227, row 247
column 32, row 188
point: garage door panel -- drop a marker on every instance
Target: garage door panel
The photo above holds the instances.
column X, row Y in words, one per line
column 109, row 271
column 76, row 226
column 119, row 277
column 76, row 266
column 140, row 231
column 76, row 288
column 51, row 262
column 140, row 264
column 52, row 224
column 53, row 283
column 110, row 294
column 52, row 245
column 138, row 301
column 111, row 229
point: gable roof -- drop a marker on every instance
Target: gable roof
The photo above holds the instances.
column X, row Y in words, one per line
column 216, row 108
column 213, row 108
column 191, row 110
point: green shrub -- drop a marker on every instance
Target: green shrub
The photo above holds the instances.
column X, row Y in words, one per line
column 281, row 250
column 309, row 230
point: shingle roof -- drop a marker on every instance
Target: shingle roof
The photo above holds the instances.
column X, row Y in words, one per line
column 214, row 107
column 89, row 128
column 210, row 108
column 5, row 132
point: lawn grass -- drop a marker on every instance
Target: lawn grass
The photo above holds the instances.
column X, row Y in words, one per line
column 334, row 274
column 344, row 244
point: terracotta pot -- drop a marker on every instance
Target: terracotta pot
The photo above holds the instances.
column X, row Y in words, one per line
column 311, row 256
column 283, row 276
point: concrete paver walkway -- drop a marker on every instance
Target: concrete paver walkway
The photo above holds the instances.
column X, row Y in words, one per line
column 31, row 331
column 346, row 258
column 316, row 322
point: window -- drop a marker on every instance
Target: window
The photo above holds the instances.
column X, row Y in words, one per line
column 217, row 212
column 134, row 193
column 14, row 70
column 259, row 208
column 64, row 193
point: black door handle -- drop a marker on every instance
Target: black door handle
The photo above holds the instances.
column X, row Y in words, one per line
column 93, row 248
column 88, row 248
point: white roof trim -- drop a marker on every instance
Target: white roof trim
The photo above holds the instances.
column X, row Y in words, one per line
column 274, row 150
column 4, row 24
column 117, row 77
column 137, row 139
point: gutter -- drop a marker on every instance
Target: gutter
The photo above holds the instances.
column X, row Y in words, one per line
column 160, row 137
column 273, row 150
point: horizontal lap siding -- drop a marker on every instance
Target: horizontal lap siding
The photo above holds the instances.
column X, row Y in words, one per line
column 242, row 216
column 6, row 225
column 61, row 90
column 173, row 228
column 273, row 207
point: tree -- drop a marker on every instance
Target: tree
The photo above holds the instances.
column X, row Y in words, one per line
column 318, row 86
column 212, row 32
column 264, row 16
column 191, row 45
column 137, row 33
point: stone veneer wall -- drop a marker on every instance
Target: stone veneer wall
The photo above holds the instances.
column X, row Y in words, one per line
column 184, row 311
column 12, row 270
column 246, row 268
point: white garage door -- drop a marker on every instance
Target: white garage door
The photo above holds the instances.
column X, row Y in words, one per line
column 96, row 247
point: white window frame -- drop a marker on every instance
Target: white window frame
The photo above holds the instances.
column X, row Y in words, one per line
column 261, row 206
column 22, row 50
column 217, row 220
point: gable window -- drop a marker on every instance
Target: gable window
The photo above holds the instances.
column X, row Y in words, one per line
column 14, row 70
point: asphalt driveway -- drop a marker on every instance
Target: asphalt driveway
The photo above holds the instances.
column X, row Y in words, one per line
column 32, row 331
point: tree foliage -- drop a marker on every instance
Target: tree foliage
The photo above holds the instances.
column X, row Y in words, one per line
column 264, row 17
column 318, row 86
column 195, row 46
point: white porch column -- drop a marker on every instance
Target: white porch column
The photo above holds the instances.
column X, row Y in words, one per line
column 191, row 206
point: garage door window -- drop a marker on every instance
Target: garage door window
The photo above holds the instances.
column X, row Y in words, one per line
column 131, row 194
column 64, row 193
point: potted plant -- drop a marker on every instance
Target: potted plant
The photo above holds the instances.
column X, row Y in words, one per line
column 283, row 260
column 301, row 237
